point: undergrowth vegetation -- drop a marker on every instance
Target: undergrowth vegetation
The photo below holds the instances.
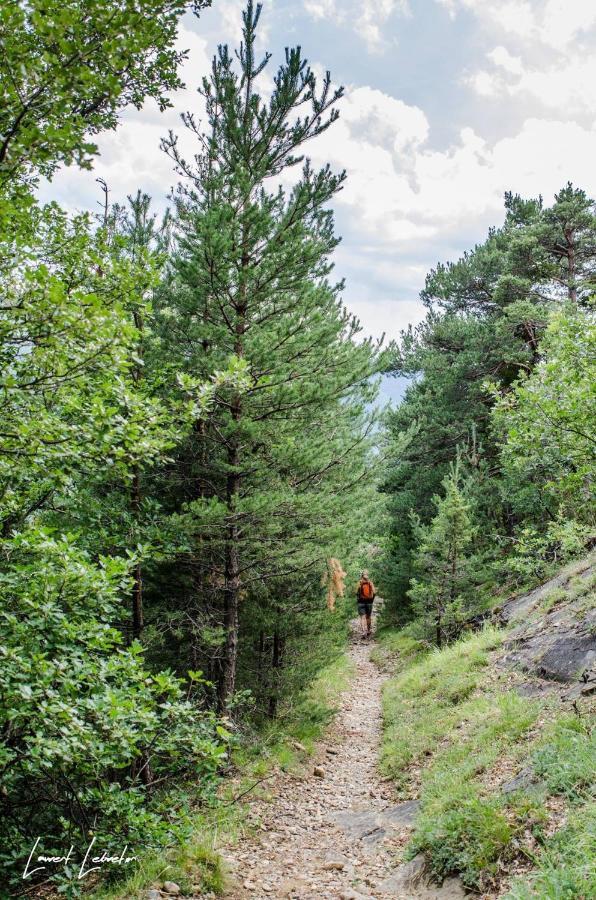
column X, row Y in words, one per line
column 455, row 731
column 566, row 865
column 566, row 760
column 421, row 704
column 283, row 745
column 188, row 427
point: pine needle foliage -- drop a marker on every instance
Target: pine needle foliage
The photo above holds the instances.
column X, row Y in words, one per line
column 442, row 566
column 266, row 482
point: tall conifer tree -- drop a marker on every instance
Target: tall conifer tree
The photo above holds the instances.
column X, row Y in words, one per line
column 265, row 473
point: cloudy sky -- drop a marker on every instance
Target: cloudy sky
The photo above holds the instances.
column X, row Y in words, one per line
column 449, row 103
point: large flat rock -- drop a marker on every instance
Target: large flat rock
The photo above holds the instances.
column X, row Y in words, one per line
column 559, row 644
column 410, row 881
column 371, row 825
column 402, row 814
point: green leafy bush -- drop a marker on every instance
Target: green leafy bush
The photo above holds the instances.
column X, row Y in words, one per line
column 84, row 724
column 546, row 429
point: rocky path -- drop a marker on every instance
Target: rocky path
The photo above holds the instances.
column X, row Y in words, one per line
column 336, row 831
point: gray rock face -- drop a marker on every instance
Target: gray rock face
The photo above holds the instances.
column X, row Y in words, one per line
column 525, row 780
column 411, row 882
column 517, row 608
column 533, row 689
column 362, row 825
column 558, row 653
column 374, row 837
column 372, row 825
column 568, row 656
column 403, row 813
column 560, row 644
column 407, row 877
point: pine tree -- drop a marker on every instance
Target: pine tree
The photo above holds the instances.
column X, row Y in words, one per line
column 556, row 244
column 488, row 313
column 441, row 563
column 265, row 475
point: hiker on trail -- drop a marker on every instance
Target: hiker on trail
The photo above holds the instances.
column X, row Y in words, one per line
column 365, row 597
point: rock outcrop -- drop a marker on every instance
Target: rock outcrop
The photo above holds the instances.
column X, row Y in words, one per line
column 554, row 627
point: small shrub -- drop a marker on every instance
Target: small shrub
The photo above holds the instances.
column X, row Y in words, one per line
column 566, row 868
column 475, row 836
column 567, row 760
column 468, row 839
column 557, row 595
column 208, row 870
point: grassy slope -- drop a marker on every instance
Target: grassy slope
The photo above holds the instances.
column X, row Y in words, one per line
column 455, row 730
column 197, row 864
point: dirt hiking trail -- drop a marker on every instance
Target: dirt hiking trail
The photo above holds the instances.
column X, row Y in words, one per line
column 335, row 834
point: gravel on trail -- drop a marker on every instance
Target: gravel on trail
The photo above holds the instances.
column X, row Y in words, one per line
column 336, row 831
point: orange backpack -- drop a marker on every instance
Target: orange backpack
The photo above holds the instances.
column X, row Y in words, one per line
column 366, row 590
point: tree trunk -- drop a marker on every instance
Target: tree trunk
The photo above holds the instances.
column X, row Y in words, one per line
column 227, row 682
column 571, row 267
column 137, row 588
column 276, row 656
column 260, row 649
column 453, row 573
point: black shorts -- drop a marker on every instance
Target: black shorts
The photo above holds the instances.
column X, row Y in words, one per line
column 365, row 607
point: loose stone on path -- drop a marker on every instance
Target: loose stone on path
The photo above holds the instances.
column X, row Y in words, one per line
column 336, row 832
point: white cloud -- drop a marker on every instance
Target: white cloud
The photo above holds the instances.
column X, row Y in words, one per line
column 401, row 191
column 373, row 17
column 229, row 22
column 514, row 16
column 486, row 84
column 543, row 59
column 566, row 84
column 368, row 18
column 503, row 58
column 383, row 119
column 323, row 9
column 554, row 23
column 563, row 21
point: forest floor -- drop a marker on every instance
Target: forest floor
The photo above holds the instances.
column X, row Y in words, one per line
column 335, row 830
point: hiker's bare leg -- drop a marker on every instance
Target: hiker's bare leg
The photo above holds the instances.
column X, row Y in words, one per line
column 363, row 624
column 368, row 624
